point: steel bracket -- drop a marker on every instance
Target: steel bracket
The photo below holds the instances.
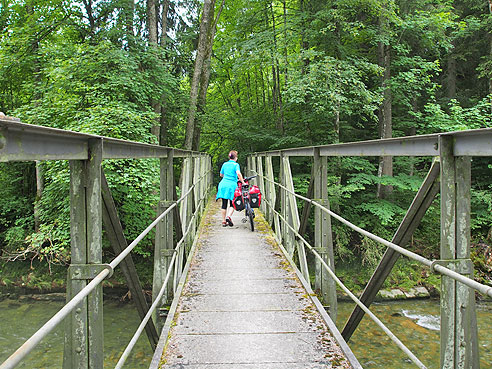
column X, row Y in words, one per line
column 462, row 266
column 87, row 271
column 168, row 252
column 165, row 204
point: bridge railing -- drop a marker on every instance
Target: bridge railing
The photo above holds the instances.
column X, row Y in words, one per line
column 450, row 172
column 92, row 206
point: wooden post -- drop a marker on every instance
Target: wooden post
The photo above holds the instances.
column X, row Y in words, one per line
column 271, row 194
column 323, row 236
column 294, row 221
column 261, row 182
column 84, row 327
column 196, row 178
column 459, row 338
column 183, row 215
column 164, row 245
column 283, row 204
column 202, row 185
column 191, row 208
column 253, row 171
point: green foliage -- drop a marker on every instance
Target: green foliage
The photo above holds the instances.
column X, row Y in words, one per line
column 16, row 210
column 284, row 74
column 481, row 201
column 406, row 274
column 454, row 117
column 71, row 77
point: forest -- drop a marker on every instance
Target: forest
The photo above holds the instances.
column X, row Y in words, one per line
column 248, row 75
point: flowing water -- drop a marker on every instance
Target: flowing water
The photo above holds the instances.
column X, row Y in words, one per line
column 415, row 322
column 20, row 319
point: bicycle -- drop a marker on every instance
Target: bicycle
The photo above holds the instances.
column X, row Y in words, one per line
column 249, row 212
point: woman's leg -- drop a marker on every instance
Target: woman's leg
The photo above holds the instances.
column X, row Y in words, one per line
column 224, row 210
column 231, row 208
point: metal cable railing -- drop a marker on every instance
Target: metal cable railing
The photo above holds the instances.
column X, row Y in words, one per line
column 432, row 264
column 41, row 333
column 390, row 334
column 141, row 327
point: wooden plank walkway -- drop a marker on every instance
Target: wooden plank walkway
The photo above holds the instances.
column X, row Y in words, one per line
column 243, row 306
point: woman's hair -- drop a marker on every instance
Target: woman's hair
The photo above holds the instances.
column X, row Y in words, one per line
column 232, row 154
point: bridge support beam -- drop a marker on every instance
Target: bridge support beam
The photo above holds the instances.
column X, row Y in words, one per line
column 254, row 168
column 293, row 219
column 84, row 326
column 261, row 182
column 459, row 337
column 283, row 206
column 422, row 201
column 185, row 213
column 114, row 234
column 271, row 195
column 164, row 246
column 323, row 238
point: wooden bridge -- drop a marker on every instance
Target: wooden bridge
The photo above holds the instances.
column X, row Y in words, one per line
column 238, row 298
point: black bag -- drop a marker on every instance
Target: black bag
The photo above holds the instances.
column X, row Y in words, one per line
column 238, row 203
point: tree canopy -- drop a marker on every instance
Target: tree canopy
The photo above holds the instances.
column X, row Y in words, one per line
column 249, row 75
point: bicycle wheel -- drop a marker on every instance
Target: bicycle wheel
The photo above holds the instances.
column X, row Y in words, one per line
column 250, row 214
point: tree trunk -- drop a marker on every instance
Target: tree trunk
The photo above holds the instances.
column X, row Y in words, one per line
column 263, row 97
column 490, row 45
column 152, row 21
column 204, row 78
column 163, row 140
column 163, row 122
column 303, row 45
column 39, row 194
column 385, row 123
column 152, row 29
column 276, row 76
column 90, row 16
column 165, row 9
column 128, row 14
column 207, row 15
column 256, row 88
column 286, row 61
column 451, row 77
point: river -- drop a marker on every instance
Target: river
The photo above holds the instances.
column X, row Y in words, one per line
column 415, row 322
column 20, row 319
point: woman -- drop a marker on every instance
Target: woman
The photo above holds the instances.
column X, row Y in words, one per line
column 230, row 173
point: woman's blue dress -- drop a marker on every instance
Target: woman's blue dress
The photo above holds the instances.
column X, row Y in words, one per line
column 228, row 184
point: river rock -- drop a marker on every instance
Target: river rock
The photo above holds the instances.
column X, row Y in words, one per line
column 393, row 294
column 396, row 294
column 43, row 297
column 417, row 292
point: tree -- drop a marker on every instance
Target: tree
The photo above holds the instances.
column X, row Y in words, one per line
column 203, row 44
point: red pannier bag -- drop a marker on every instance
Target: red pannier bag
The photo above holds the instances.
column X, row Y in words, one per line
column 255, row 196
column 238, row 202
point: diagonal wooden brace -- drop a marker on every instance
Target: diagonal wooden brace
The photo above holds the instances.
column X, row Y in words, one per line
column 117, row 239
column 420, row 204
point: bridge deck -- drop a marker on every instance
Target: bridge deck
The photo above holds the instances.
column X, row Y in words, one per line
column 243, row 306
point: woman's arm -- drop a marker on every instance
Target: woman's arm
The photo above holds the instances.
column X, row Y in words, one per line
column 240, row 176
